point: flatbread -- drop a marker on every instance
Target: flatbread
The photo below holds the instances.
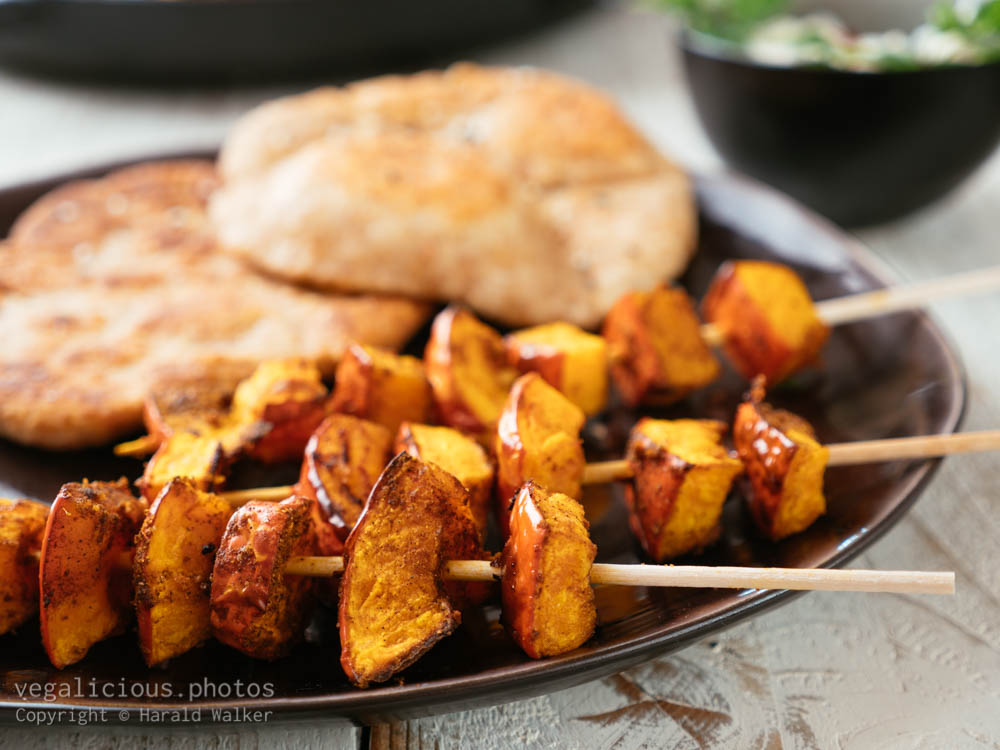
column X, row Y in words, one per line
column 522, row 193
column 112, row 287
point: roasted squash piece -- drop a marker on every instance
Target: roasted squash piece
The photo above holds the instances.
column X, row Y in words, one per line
column 784, row 465
column 767, row 318
column 200, row 458
column 255, row 607
column 200, row 407
column 21, row 526
column 682, row 475
column 460, row 456
column 468, row 371
column 538, row 438
column 277, row 408
column 655, row 347
column 571, row 360
column 394, row 605
column 85, row 571
column 382, row 387
column 343, row 459
column 548, row 604
column 174, row 556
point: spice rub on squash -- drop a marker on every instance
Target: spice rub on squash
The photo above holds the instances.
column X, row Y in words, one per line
column 201, row 458
column 255, row 607
column 767, row 318
column 655, row 347
column 682, row 475
column 548, row 604
column 86, row 565
column 277, row 408
column 394, row 603
column 174, row 557
column 343, row 459
column 784, row 464
column 382, row 387
column 21, row 525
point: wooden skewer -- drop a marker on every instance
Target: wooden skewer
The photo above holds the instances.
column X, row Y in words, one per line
column 139, row 447
column 922, row 446
column 841, row 454
column 864, row 305
column 694, row 576
column 681, row 576
column 239, row 497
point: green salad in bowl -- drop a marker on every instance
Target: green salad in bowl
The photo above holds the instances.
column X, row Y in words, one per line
column 964, row 32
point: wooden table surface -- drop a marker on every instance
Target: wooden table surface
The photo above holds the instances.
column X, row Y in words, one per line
column 827, row 670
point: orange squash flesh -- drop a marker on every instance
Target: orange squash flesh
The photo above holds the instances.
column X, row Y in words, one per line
column 201, row 458
column 538, row 439
column 84, row 581
column 655, row 347
column 768, row 321
column 343, row 459
column 468, row 372
column 571, row 360
column 382, row 387
column 277, row 408
column 175, row 553
column 460, row 456
column 548, row 604
column 784, row 465
column 682, row 475
column 200, row 407
column 394, row 605
column 255, row 607
column 21, row 525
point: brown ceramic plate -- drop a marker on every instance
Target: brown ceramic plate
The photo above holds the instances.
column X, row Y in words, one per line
column 893, row 376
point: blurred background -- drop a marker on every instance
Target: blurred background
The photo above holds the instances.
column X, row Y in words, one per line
column 87, row 81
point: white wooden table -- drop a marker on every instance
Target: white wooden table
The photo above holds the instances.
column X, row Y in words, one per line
column 827, row 670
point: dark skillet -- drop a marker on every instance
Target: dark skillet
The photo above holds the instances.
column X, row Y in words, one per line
column 171, row 41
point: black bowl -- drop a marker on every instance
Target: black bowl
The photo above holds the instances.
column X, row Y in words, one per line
column 860, row 148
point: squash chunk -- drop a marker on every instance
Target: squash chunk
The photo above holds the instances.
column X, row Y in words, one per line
column 682, row 475
column 200, row 458
column 548, row 605
column 85, row 572
column 394, row 605
column 382, row 387
column 571, row 360
column 655, row 347
column 343, row 459
column 468, row 371
column 200, row 407
column 538, row 438
column 277, row 408
column 768, row 321
column 255, row 607
column 21, row 526
column 784, row 465
column 460, row 456
column 174, row 556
